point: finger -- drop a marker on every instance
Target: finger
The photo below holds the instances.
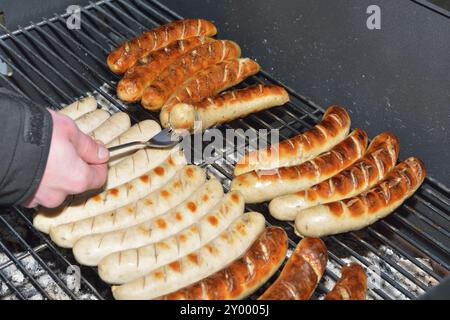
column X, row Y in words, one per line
column 97, row 174
column 89, row 150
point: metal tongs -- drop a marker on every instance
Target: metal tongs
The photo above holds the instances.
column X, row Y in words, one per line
column 166, row 139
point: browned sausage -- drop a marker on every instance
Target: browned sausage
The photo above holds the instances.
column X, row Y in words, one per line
column 368, row 207
column 378, row 161
column 259, row 186
column 351, row 286
column 228, row 106
column 301, row 274
column 173, row 76
column 128, row 53
column 245, row 275
column 333, row 128
column 210, row 82
column 139, row 77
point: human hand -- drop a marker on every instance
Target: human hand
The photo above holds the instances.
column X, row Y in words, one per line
column 76, row 163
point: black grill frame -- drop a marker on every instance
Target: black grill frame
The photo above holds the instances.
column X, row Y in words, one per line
column 41, row 51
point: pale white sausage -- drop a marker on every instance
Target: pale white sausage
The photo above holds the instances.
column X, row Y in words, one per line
column 211, row 258
column 178, row 189
column 89, row 250
column 124, row 266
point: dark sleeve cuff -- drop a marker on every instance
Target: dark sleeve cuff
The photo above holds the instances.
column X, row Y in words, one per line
column 25, row 136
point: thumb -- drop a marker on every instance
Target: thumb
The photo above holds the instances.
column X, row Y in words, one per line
column 89, row 150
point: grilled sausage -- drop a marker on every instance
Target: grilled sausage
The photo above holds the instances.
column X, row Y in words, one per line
column 139, row 77
column 79, row 108
column 351, row 286
column 91, row 120
column 89, row 250
column 111, row 199
column 210, row 82
column 301, row 274
column 259, row 186
column 128, row 265
column 211, row 53
column 379, row 159
column 360, row 211
column 113, row 127
column 177, row 190
column 333, row 128
column 141, row 131
column 128, row 54
column 140, row 162
column 227, row 106
column 245, row 275
column 195, row 266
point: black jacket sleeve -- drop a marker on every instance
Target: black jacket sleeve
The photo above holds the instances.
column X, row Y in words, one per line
column 25, row 136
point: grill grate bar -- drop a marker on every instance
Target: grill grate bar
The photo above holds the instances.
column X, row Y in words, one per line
column 11, row 287
column 14, row 68
column 120, row 37
column 414, row 242
column 23, row 270
column 28, row 64
column 367, row 264
column 43, row 61
column 404, row 253
column 56, row 252
column 30, row 250
column 392, row 263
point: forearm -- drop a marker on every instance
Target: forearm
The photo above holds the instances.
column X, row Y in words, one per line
column 25, row 135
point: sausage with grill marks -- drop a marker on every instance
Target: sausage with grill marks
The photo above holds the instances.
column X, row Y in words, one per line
column 228, row 106
column 89, row 250
column 113, row 127
column 362, row 210
column 79, row 108
column 209, row 82
column 259, row 186
column 186, row 66
column 128, row 265
column 333, row 128
column 380, row 158
column 141, row 131
column 128, row 54
column 177, row 190
column 244, row 275
column 134, row 166
column 139, row 77
column 92, row 120
column 111, row 199
column 352, row 285
column 200, row 264
column 301, row 274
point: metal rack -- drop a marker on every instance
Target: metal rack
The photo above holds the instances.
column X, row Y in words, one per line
column 405, row 254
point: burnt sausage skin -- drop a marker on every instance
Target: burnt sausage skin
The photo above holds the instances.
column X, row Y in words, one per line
column 352, row 285
column 301, row 274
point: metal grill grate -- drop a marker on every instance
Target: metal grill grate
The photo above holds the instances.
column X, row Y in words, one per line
column 404, row 255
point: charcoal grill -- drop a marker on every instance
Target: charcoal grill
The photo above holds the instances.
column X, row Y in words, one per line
column 405, row 254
